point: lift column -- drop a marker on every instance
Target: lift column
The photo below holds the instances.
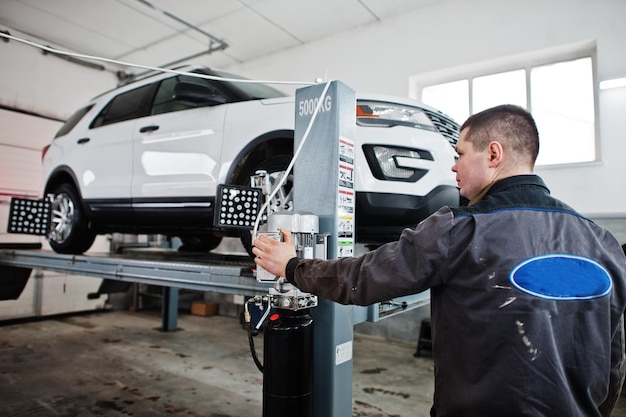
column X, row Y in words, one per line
column 324, row 186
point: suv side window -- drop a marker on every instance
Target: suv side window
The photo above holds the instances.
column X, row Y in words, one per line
column 126, row 106
column 73, row 121
column 165, row 101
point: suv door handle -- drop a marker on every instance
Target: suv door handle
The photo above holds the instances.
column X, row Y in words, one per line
column 82, row 140
column 148, row 128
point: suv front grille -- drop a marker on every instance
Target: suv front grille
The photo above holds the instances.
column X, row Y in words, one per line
column 445, row 125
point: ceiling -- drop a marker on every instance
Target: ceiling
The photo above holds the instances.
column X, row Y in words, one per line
column 163, row 32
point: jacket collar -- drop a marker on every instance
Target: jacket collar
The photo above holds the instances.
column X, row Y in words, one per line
column 517, row 181
column 511, row 182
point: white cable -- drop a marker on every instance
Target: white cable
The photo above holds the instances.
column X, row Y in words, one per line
column 283, row 179
column 146, row 67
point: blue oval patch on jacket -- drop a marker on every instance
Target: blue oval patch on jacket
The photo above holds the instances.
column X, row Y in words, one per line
column 562, row 277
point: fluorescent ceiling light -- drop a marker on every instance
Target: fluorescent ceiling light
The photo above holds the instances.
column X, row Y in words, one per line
column 618, row 82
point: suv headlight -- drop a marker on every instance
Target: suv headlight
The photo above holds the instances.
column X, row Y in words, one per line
column 392, row 163
column 377, row 113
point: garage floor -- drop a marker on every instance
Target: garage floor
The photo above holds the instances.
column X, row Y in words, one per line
column 121, row 364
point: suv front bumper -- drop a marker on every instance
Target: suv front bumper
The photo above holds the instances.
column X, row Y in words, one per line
column 400, row 211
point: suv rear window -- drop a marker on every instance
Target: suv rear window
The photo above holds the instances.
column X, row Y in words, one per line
column 73, row 120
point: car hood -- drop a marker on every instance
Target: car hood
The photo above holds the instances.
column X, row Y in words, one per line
column 365, row 96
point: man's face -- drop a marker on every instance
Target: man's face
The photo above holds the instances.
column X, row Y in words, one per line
column 472, row 169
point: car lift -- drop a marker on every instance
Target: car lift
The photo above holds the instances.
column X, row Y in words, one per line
column 212, row 274
column 327, row 178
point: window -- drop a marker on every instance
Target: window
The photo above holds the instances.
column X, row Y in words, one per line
column 165, row 100
column 248, row 91
column 559, row 94
column 561, row 99
column 126, row 106
column 451, row 98
column 73, row 121
column 491, row 90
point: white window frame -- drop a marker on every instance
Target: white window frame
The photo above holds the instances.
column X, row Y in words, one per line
column 524, row 61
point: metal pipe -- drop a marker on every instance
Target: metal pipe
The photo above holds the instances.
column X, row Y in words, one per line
column 223, row 44
column 213, row 40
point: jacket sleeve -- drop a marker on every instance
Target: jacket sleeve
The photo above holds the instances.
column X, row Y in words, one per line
column 411, row 265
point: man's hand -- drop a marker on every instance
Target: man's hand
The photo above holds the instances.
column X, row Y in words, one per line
column 273, row 255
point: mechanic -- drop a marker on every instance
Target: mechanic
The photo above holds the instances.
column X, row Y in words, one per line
column 527, row 296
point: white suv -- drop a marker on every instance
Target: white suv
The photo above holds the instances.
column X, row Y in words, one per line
column 147, row 157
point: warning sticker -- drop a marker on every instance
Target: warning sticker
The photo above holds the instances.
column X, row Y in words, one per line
column 343, row 353
column 346, row 201
column 346, row 176
column 346, row 150
column 345, row 247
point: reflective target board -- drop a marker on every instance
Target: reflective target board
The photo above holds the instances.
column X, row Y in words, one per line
column 237, row 206
column 30, row 217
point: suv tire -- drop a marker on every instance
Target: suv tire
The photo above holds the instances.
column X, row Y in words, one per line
column 70, row 231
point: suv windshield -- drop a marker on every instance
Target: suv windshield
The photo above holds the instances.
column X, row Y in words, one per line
column 250, row 91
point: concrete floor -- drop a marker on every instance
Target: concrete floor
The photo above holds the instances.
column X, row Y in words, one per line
column 120, row 364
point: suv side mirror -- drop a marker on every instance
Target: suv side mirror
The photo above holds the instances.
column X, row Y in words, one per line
column 196, row 94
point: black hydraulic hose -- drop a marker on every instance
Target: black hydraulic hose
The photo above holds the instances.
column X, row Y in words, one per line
column 252, row 331
column 258, row 363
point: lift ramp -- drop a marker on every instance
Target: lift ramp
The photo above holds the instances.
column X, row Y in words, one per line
column 230, row 275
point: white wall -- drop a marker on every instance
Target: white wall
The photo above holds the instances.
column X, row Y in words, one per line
column 45, row 84
column 381, row 57
column 48, row 86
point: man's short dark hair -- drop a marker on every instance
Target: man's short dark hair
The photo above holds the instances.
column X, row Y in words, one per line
column 511, row 125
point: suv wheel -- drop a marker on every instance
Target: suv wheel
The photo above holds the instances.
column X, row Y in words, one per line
column 282, row 201
column 70, row 231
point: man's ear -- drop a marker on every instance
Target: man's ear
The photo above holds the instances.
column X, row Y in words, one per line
column 496, row 154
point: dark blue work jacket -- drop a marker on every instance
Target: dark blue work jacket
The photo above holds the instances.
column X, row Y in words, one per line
column 527, row 300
